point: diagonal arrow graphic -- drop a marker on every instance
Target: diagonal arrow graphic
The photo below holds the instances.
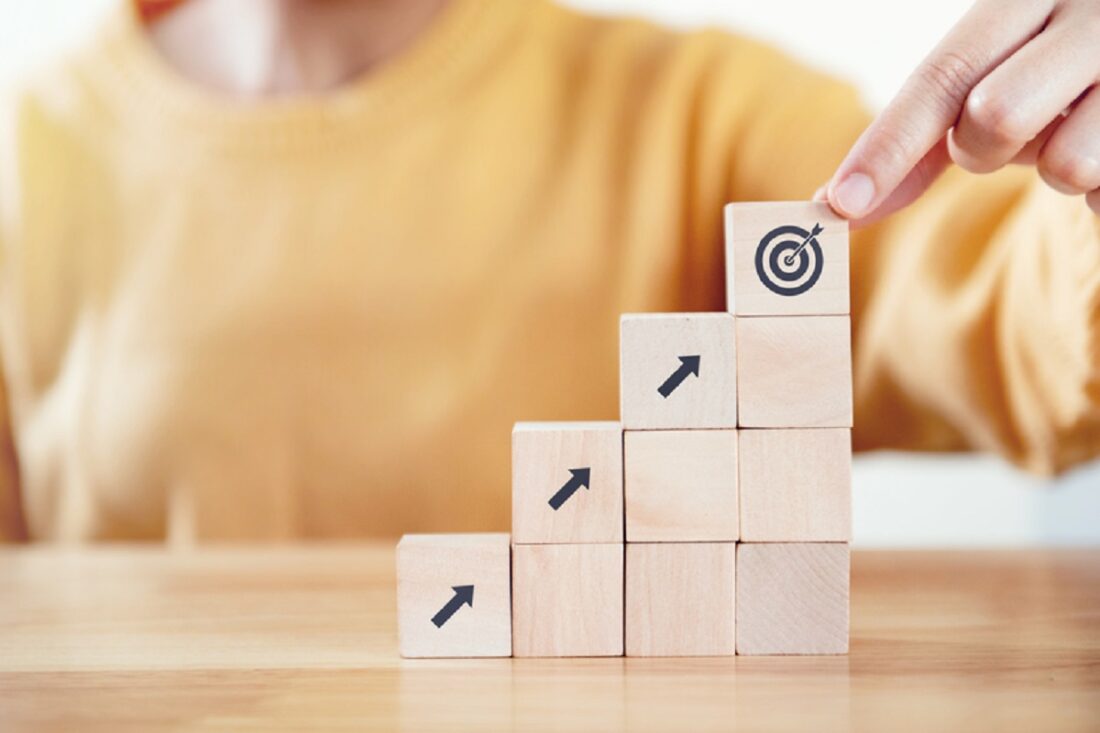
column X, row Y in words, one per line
column 789, row 260
column 464, row 595
column 688, row 365
column 579, row 479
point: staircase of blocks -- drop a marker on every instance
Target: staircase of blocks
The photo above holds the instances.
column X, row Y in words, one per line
column 713, row 519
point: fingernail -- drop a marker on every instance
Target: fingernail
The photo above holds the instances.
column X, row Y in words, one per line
column 854, row 194
column 819, row 194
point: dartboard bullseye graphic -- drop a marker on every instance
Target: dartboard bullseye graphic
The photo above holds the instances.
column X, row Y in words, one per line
column 789, row 260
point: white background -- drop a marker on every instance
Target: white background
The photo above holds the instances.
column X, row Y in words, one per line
column 899, row 501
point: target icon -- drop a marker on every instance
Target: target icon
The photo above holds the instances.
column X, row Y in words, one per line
column 789, row 260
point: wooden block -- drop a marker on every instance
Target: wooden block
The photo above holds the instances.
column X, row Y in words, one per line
column 680, row 485
column 795, row 485
column 792, row 598
column 678, row 370
column 567, row 600
column 680, row 599
column 776, row 268
column 567, row 482
column 794, row 372
column 453, row 595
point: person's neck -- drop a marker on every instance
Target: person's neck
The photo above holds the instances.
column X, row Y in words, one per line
column 253, row 48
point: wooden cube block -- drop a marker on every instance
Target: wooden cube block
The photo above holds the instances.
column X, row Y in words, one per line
column 795, row 485
column 680, row 599
column 678, row 370
column 786, row 258
column 792, row 598
column 794, row 372
column 567, row 482
column 453, row 595
column 567, row 600
column 680, row 485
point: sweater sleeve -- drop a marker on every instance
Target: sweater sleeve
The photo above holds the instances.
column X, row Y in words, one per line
column 975, row 312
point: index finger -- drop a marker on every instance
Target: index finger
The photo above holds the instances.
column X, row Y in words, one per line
column 930, row 101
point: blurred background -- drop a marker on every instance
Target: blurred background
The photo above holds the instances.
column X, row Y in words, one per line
column 899, row 501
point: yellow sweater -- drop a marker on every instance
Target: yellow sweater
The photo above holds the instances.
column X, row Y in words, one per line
column 320, row 317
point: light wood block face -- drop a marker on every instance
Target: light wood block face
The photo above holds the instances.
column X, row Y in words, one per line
column 680, row 599
column 680, row 485
column 795, row 485
column 794, row 372
column 567, row 600
column 453, row 595
column 792, row 598
column 776, row 268
column 678, row 370
column 567, row 482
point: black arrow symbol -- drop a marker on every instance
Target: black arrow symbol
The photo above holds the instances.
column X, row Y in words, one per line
column 688, row 365
column 464, row 594
column 580, row 478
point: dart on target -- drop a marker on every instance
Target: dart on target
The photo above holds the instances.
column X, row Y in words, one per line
column 789, row 259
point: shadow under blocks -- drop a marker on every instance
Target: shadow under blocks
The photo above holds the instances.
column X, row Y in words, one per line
column 713, row 519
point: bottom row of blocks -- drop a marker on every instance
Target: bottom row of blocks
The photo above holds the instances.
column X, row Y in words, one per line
column 458, row 595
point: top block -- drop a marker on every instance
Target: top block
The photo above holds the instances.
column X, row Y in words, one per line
column 678, row 371
column 786, row 259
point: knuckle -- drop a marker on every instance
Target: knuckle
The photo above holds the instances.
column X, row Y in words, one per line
column 950, row 75
column 996, row 118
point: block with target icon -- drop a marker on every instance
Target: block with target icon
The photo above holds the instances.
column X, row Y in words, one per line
column 567, row 482
column 786, row 258
column 678, row 371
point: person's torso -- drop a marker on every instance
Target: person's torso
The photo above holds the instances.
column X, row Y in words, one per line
column 287, row 330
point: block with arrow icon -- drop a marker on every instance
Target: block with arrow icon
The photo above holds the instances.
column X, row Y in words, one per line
column 678, row 370
column 454, row 595
column 567, row 482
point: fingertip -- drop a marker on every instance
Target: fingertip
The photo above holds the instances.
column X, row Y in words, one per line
column 853, row 195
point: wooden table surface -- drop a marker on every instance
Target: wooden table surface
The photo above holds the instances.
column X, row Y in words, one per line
column 136, row 639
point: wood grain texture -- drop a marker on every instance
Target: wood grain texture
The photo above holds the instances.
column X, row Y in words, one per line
column 794, row 372
column 680, row 599
column 795, row 485
column 651, row 345
column 680, row 485
column 567, row 600
column 544, row 459
column 428, row 569
column 792, row 598
column 139, row 639
column 747, row 224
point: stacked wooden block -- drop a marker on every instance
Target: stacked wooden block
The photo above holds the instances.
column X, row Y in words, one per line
column 714, row 519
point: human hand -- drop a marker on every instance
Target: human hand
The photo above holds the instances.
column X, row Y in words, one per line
column 1015, row 81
